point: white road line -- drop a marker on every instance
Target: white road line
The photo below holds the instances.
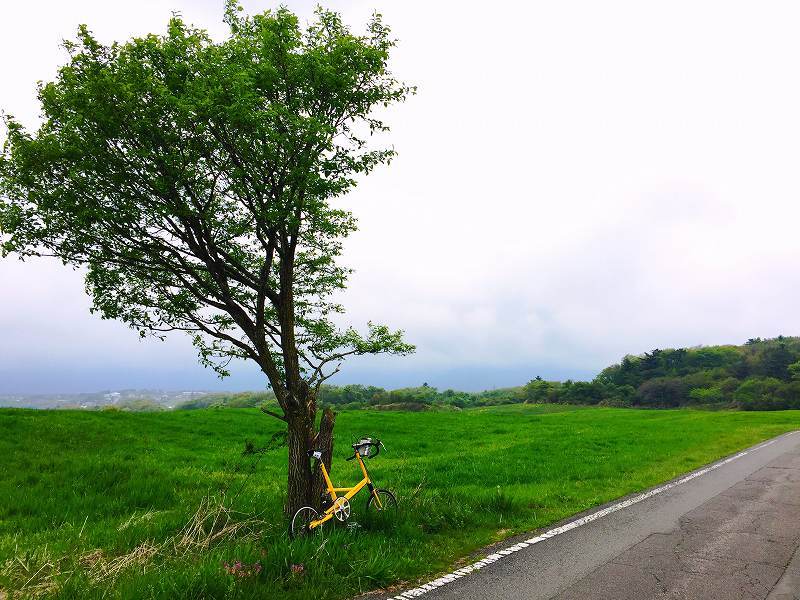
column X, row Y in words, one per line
column 492, row 558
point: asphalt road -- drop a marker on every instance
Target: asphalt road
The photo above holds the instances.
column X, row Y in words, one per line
column 730, row 532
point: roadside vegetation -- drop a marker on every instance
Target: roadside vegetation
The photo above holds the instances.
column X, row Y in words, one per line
column 189, row 504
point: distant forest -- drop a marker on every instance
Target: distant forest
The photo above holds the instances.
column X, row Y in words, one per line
column 762, row 374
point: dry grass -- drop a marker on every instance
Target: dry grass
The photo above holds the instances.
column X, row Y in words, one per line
column 137, row 518
column 30, row 580
column 213, row 522
column 105, row 570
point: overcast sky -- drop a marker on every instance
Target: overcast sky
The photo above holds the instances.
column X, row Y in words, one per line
column 576, row 181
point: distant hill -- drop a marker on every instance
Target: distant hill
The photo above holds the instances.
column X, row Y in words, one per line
column 134, row 400
column 761, row 374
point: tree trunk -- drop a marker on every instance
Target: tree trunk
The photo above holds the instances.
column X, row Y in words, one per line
column 324, row 443
column 299, row 435
column 306, row 485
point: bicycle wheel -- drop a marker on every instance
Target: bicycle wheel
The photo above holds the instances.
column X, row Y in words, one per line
column 388, row 502
column 301, row 522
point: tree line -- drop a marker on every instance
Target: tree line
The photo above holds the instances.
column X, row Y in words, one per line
column 762, row 374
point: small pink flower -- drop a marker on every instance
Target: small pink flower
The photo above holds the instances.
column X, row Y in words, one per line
column 241, row 570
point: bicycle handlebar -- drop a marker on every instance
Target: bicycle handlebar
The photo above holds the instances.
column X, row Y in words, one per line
column 375, row 443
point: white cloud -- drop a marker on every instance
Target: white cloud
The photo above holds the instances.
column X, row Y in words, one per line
column 576, row 180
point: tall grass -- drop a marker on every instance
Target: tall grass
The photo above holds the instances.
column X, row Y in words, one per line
column 121, row 505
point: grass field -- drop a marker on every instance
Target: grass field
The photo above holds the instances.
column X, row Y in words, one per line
column 92, row 505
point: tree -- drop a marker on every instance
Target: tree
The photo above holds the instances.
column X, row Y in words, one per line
column 794, row 370
column 539, row 391
column 651, row 361
column 760, row 394
column 666, row 392
column 775, row 361
column 195, row 181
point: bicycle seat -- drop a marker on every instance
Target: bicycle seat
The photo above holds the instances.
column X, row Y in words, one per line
column 315, row 453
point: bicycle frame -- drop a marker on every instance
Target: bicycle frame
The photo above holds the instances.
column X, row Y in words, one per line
column 349, row 491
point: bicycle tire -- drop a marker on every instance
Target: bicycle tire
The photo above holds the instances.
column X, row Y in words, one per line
column 299, row 525
column 388, row 501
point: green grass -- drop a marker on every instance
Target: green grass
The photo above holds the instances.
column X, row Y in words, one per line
column 75, row 482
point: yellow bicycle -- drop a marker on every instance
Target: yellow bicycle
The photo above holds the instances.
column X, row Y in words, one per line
column 307, row 519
